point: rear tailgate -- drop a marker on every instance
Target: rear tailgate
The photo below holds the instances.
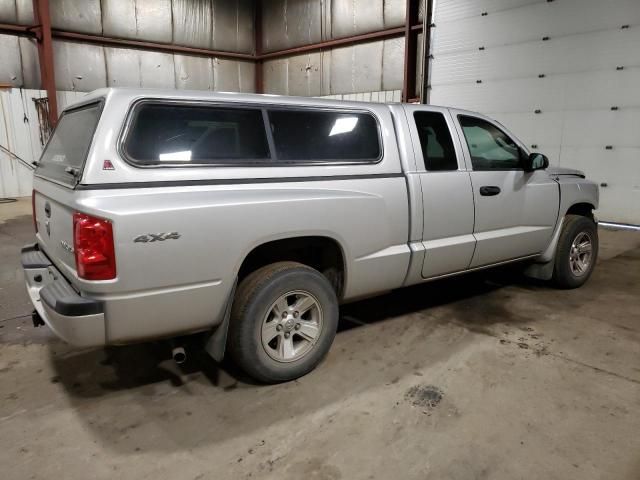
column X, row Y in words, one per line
column 59, row 170
column 54, row 221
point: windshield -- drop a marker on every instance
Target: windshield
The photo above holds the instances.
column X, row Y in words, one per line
column 64, row 156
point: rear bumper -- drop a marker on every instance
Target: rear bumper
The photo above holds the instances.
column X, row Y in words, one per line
column 75, row 319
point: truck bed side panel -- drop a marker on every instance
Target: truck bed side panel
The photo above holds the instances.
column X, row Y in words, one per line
column 178, row 285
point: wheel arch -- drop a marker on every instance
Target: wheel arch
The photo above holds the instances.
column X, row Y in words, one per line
column 329, row 251
column 542, row 268
column 321, row 252
column 584, row 209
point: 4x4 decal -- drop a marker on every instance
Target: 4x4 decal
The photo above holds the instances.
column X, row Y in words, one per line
column 156, row 237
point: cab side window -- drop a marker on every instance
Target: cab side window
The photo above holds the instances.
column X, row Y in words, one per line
column 436, row 142
column 490, row 147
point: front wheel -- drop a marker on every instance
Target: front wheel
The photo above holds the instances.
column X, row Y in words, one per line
column 283, row 321
column 576, row 253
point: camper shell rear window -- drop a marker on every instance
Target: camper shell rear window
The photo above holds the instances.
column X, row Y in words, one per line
column 66, row 151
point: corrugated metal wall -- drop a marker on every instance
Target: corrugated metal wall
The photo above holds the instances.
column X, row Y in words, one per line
column 366, row 67
column 386, row 96
column 562, row 74
column 216, row 24
column 20, row 140
column 213, row 24
column 369, row 67
column 292, row 23
column 574, row 62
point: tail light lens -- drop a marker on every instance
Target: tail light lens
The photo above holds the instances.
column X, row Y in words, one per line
column 93, row 246
column 33, row 209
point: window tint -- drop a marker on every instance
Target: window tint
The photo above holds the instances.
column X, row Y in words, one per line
column 436, row 142
column 163, row 134
column 489, row 147
column 307, row 135
column 69, row 143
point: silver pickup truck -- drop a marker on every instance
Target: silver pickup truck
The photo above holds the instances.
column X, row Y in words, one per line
column 161, row 213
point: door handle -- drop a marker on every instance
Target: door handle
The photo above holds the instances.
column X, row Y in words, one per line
column 489, row 191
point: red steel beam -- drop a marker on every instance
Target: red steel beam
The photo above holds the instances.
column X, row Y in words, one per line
column 10, row 29
column 338, row 42
column 409, row 31
column 257, row 30
column 426, row 53
column 170, row 48
column 410, row 50
column 45, row 55
column 142, row 45
column 30, row 31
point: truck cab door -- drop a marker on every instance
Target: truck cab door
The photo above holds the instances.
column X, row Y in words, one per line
column 515, row 211
column 447, row 195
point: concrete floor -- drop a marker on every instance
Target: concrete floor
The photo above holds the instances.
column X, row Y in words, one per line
column 484, row 376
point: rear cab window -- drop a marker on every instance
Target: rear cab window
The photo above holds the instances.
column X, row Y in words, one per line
column 166, row 133
column 436, row 143
column 66, row 151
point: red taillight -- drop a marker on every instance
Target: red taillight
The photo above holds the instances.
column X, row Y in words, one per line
column 33, row 209
column 93, row 246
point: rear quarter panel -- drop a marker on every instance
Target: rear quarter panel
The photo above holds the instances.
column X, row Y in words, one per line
column 182, row 284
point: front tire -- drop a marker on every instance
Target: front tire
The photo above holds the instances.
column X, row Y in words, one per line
column 283, row 322
column 577, row 252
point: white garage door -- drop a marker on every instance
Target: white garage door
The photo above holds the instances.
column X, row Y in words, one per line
column 563, row 75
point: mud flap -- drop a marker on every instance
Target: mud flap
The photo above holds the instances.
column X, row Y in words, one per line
column 216, row 343
column 540, row 271
column 543, row 268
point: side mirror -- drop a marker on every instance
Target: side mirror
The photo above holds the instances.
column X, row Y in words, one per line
column 536, row 161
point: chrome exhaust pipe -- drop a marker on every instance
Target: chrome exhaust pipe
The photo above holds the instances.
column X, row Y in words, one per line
column 179, row 355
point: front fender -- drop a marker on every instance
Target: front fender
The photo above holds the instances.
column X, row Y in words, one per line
column 577, row 190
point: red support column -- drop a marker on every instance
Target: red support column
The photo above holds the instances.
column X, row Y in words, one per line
column 257, row 29
column 426, row 51
column 45, row 55
column 410, row 50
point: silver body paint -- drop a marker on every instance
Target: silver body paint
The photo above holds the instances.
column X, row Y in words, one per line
column 396, row 223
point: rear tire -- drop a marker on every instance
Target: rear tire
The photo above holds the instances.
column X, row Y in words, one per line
column 576, row 253
column 283, row 322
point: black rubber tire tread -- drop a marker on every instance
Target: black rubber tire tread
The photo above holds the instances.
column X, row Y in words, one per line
column 254, row 296
column 563, row 277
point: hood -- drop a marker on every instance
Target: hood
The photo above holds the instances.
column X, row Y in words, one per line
column 565, row 171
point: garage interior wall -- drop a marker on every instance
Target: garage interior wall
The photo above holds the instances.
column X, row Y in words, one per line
column 561, row 74
column 212, row 24
column 80, row 67
column 368, row 71
column 21, row 138
column 367, row 67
